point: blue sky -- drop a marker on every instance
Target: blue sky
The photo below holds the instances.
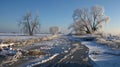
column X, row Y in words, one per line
column 54, row 12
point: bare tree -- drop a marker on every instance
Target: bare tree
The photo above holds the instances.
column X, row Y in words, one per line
column 54, row 30
column 29, row 25
column 89, row 21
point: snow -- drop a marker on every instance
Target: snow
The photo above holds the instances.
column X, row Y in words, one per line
column 53, row 48
column 20, row 36
column 103, row 55
column 112, row 38
column 16, row 37
column 1, row 45
column 43, row 60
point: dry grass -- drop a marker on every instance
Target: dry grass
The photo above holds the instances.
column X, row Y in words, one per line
column 35, row 53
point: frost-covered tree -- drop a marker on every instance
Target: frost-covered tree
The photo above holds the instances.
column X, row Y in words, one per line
column 89, row 21
column 54, row 30
column 29, row 25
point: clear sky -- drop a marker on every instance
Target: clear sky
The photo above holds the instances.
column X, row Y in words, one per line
column 54, row 12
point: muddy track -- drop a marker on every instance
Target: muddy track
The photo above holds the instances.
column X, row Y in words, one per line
column 76, row 57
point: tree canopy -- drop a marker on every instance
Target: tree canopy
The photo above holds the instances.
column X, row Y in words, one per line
column 89, row 21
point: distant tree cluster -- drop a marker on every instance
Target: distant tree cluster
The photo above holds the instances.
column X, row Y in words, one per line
column 54, row 30
column 89, row 21
column 29, row 25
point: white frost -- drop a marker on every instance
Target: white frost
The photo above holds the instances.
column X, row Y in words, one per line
column 102, row 57
column 43, row 61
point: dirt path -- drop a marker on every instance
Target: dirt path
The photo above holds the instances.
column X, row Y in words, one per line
column 76, row 57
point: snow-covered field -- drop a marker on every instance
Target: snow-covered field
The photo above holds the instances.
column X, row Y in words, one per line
column 103, row 55
column 104, row 51
column 52, row 48
column 20, row 36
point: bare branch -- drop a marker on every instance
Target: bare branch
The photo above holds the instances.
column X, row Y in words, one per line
column 28, row 25
column 89, row 21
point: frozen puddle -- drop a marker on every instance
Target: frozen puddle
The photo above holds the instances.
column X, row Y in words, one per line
column 102, row 55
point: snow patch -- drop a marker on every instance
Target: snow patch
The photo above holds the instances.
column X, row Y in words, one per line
column 43, row 61
column 98, row 53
